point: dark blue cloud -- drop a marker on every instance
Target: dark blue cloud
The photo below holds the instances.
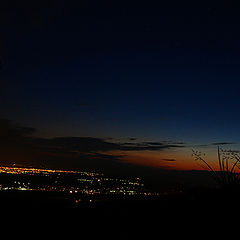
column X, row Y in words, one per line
column 67, row 150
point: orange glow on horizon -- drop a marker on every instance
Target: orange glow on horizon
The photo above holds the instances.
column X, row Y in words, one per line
column 177, row 159
column 159, row 159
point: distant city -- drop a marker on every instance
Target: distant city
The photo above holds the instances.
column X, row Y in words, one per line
column 75, row 183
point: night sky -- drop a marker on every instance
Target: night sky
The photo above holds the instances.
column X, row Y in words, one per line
column 118, row 86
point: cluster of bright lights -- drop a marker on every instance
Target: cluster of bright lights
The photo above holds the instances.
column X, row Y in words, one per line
column 17, row 170
column 88, row 183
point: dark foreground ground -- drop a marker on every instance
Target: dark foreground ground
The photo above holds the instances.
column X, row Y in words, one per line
column 193, row 203
column 48, row 214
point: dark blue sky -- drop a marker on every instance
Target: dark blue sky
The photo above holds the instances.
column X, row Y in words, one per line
column 166, row 72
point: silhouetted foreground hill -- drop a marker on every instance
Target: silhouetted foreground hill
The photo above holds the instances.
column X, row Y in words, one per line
column 192, row 202
column 196, row 211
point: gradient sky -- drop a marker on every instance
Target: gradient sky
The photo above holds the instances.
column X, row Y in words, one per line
column 131, row 75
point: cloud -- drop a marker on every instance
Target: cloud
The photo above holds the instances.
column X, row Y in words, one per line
column 8, row 129
column 154, row 143
column 19, row 145
column 150, row 146
column 91, row 145
column 169, row 159
column 173, row 142
column 222, row 143
column 80, row 144
column 213, row 144
column 132, row 139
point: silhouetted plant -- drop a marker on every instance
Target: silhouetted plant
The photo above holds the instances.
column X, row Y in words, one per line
column 228, row 175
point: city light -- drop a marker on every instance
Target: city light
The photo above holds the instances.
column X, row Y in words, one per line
column 71, row 182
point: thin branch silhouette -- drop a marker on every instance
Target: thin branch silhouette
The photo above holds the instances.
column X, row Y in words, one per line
column 228, row 161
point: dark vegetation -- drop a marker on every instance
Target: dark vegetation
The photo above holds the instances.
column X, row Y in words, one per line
column 228, row 175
